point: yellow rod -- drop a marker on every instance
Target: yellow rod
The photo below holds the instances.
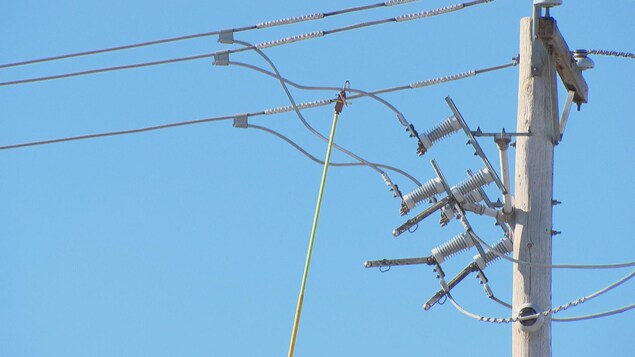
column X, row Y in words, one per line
column 298, row 310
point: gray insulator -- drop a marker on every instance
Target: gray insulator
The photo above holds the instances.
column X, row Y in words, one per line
column 482, row 178
column 423, row 192
column 503, row 247
column 444, row 129
column 452, row 247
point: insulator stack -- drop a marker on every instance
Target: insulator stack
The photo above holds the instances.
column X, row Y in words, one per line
column 444, row 129
column 482, row 178
column 423, row 192
column 452, row 247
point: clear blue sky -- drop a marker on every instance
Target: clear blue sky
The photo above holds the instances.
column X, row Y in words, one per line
column 191, row 241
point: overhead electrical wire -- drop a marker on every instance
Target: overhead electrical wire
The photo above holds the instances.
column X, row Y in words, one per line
column 612, row 53
column 555, row 266
column 261, row 25
column 301, row 117
column 321, row 162
column 270, row 111
column 268, row 44
column 550, row 311
column 121, row 132
column 414, row 85
column 575, row 318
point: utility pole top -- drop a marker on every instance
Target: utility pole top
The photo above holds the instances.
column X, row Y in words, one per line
column 566, row 65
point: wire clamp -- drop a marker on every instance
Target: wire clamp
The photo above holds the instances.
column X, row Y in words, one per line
column 226, row 36
column 221, row 58
column 240, row 121
column 340, row 102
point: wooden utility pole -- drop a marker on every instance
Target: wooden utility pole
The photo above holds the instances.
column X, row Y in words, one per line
column 533, row 194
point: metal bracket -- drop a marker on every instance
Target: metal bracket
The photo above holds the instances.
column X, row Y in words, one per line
column 420, row 217
column 459, row 210
column 454, row 282
column 240, row 121
column 221, row 58
column 478, row 133
column 475, row 144
column 565, row 113
column 226, row 36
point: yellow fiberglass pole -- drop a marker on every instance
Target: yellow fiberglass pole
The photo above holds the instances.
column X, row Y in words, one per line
column 296, row 322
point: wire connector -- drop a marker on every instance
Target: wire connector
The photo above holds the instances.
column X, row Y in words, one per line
column 226, row 36
column 240, row 121
column 221, row 58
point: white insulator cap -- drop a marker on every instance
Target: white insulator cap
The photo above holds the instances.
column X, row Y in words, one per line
column 547, row 3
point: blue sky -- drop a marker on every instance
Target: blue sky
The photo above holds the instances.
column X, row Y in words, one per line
column 191, row 241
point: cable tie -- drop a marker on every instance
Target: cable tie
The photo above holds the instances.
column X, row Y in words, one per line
column 290, row 20
column 240, row 121
column 422, row 14
column 291, row 39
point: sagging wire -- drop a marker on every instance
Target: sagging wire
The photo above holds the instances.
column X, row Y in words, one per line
column 550, row 311
column 122, row 132
column 268, row 44
column 414, row 85
column 575, row 318
column 269, row 111
column 556, row 266
column 318, row 161
column 385, row 177
column 261, row 25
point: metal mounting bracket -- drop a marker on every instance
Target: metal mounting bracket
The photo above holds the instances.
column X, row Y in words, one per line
column 565, row 114
column 475, row 144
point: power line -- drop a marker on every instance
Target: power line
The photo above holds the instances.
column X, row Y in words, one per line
column 321, row 162
column 268, row 44
column 594, row 316
column 266, row 24
column 547, row 312
column 414, row 85
column 270, row 111
column 107, row 69
column 557, row 266
column 120, row 132
column 301, row 117
column 575, row 318
column 612, row 53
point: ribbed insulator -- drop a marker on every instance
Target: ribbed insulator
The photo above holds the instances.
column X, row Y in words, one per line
column 289, row 20
column 504, row 246
column 482, row 178
column 397, row 2
column 291, row 39
column 444, row 129
column 433, row 81
column 288, row 108
column 473, row 197
column 452, row 247
column 422, row 14
column 423, row 192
